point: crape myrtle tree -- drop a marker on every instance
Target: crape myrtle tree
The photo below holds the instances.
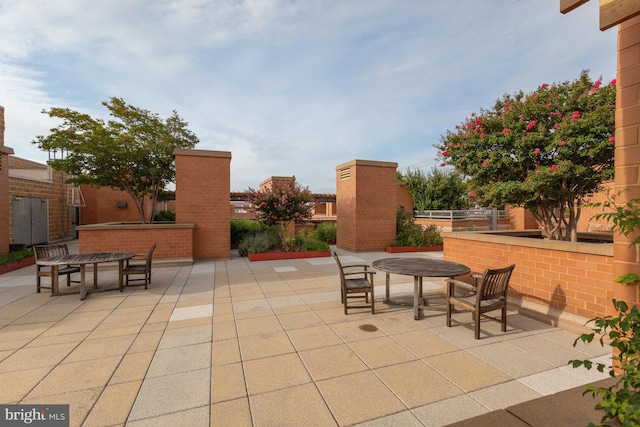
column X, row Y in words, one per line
column 547, row 151
column 132, row 153
column 283, row 202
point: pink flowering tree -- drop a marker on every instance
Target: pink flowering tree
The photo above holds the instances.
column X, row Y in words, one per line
column 281, row 204
column 547, row 151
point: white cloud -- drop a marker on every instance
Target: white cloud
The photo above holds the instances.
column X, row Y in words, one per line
column 291, row 87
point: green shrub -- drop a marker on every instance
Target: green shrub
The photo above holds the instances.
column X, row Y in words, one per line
column 241, row 228
column 16, row 256
column 326, row 232
column 408, row 233
column 315, row 245
column 164, row 216
column 258, row 242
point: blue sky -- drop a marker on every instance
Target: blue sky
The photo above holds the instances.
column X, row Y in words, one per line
column 291, row 87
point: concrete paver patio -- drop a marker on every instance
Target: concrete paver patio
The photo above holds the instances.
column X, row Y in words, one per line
column 225, row 343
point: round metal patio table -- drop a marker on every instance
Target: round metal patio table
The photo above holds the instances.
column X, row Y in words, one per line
column 419, row 268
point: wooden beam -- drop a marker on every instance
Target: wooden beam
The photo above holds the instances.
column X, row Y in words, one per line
column 613, row 12
column 568, row 5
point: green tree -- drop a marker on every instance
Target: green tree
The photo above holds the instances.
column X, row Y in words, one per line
column 282, row 203
column 547, row 151
column 436, row 190
column 133, row 153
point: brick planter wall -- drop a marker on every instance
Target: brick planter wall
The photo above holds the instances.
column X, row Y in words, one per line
column 174, row 241
column 558, row 279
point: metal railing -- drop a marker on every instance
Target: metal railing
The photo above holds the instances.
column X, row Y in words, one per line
column 462, row 214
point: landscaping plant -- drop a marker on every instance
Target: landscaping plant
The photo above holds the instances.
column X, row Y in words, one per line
column 408, row 233
column 241, row 228
column 326, row 232
column 282, row 203
column 436, row 190
column 547, row 151
column 620, row 401
column 15, row 256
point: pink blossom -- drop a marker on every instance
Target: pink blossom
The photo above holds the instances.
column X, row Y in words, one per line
column 506, row 131
column 597, row 83
column 548, row 105
column 507, row 103
column 612, row 140
column 443, row 164
column 472, row 195
column 575, row 116
column 544, row 85
column 556, row 126
column 482, row 135
column 613, row 82
column 562, row 143
column 554, row 168
column 484, row 163
column 593, row 90
column 531, row 125
column 537, row 151
column 538, row 172
column 469, row 125
column 478, row 122
column 445, row 153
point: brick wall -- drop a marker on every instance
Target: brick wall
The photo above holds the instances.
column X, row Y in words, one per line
column 202, row 198
column 627, row 143
column 102, row 205
column 366, row 199
column 173, row 240
column 53, row 189
column 566, row 277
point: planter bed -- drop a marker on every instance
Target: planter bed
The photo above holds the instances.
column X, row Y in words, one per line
column 272, row 256
column 402, row 249
column 14, row 265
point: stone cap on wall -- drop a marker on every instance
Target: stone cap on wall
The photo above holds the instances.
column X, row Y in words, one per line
column 132, row 226
column 358, row 162
column 519, row 238
column 201, row 153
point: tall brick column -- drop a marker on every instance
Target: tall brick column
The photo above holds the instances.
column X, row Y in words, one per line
column 627, row 145
column 202, row 197
column 4, row 189
column 366, row 194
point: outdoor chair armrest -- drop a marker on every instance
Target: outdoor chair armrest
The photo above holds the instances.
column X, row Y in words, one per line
column 452, row 284
column 359, row 272
column 476, row 278
column 365, row 266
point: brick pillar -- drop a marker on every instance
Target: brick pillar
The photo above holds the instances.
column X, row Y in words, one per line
column 366, row 194
column 627, row 145
column 203, row 198
column 4, row 189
